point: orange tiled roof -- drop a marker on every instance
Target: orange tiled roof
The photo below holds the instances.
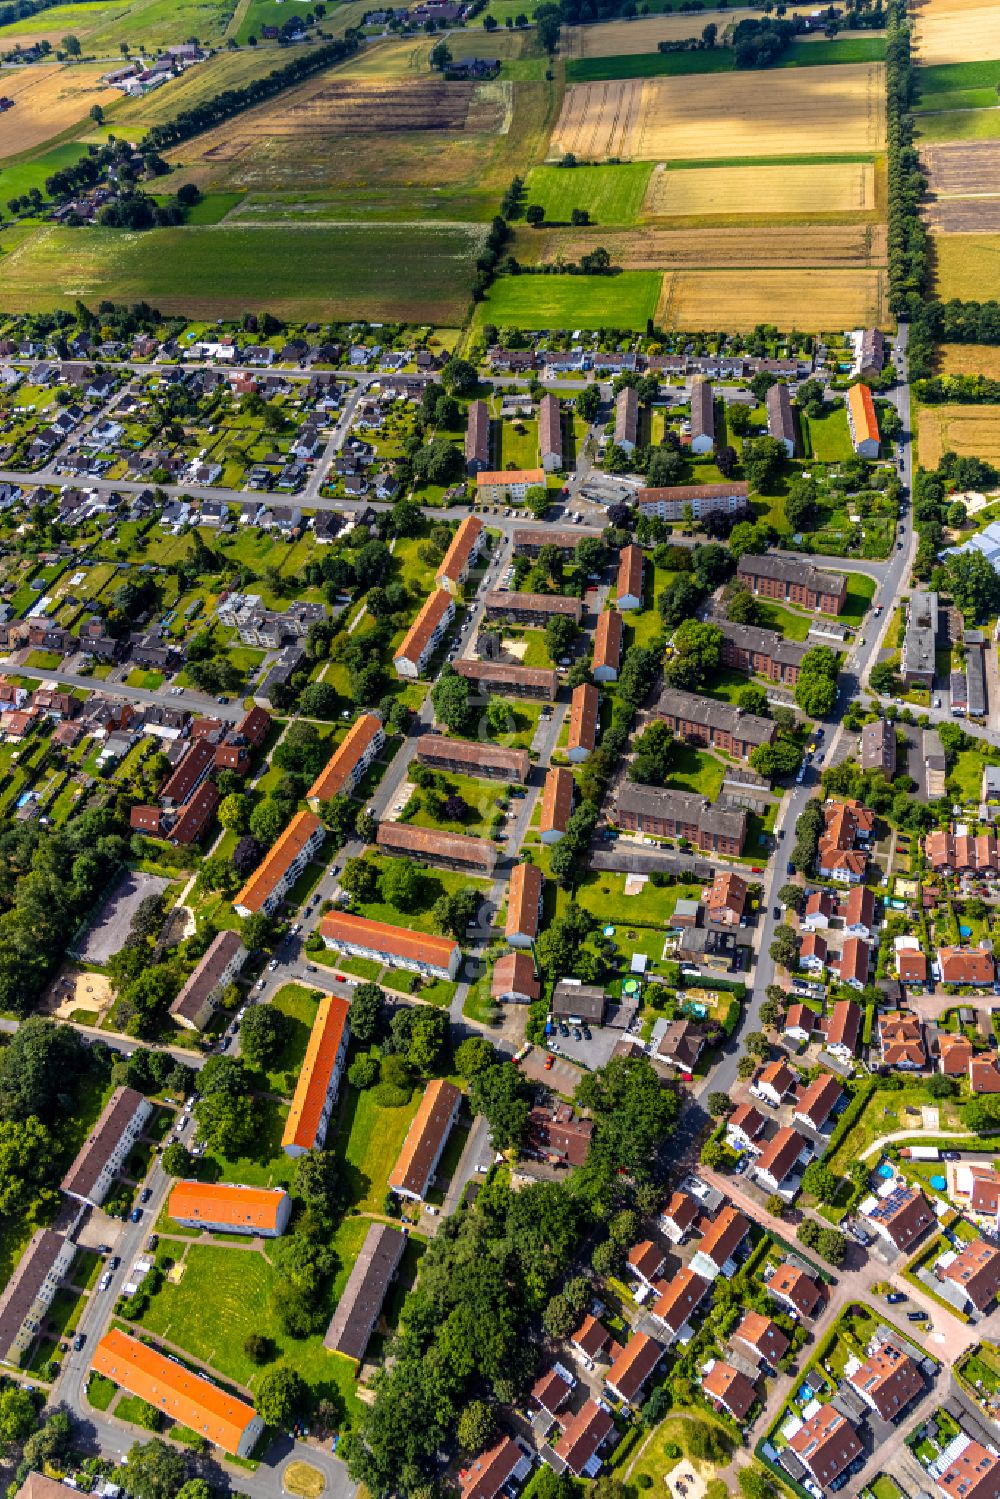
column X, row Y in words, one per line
column 398, row 941
column 333, row 777
column 314, row 1079
column 277, row 860
column 221, row 1202
column 169, row 1387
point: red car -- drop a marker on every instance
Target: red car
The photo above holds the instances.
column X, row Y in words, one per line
column 548, row 1062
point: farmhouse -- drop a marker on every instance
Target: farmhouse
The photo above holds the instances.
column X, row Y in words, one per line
column 531, row 608
column 702, row 417
column 524, row 902
column 793, row 580
column 557, row 803
column 862, row 421
column 281, row 866
column 713, row 724
column 608, row 646
column 540, row 682
column 508, row 486
column 29, row 1292
column 427, row 1136
column 362, row 744
column 550, row 439
column 627, row 419
column 780, row 418
column 106, row 1148
column 765, row 652
column 394, row 946
column 665, row 813
column 628, row 591
column 316, row 1090
column 477, row 438
column 185, row 1397
column 425, row 634
column 475, row 856
column 583, row 715
column 493, row 762
column 671, row 502
column 225, row 1209
column 367, row 1286
column 221, row 964
column 461, row 554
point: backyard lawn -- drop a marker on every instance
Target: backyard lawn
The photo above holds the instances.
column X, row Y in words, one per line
column 368, row 1141
column 433, row 883
column 299, row 1006
column 226, row 1293
column 884, row 1115
column 654, row 1460
column 693, row 769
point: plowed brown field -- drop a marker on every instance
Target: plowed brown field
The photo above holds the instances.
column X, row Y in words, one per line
column 656, row 249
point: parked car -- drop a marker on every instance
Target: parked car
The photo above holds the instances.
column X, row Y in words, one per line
column 79, row 1341
column 105, row 1281
column 919, row 1316
column 135, row 1216
column 893, row 1297
column 145, row 1194
column 152, row 1242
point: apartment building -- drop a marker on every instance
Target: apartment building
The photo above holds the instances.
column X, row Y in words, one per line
column 793, row 580
column 492, row 762
column 508, row 486
column 531, row 608
column 183, row 1396
column 557, row 803
column 398, row 947
column 223, row 1208
column 764, row 652
column 216, row 970
column 781, row 418
column 465, row 547
column 364, row 1295
column 107, row 1147
column 509, row 680
column 477, row 438
column 550, row 437
column 917, row 662
column 627, row 419
column 702, row 417
column 524, row 903
column 476, row 856
column 425, row 1141
column 608, row 646
column 664, row 813
column 319, row 1078
column 583, row 719
column 281, row 866
column 713, row 724
column 628, row 589
column 675, row 501
column 346, row 767
column 30, row 1290
column 862, row 421
column 425, row 634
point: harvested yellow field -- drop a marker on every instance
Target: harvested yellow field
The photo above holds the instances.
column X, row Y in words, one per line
column 793, row 299
column 969, row 431
column 738, row 192
column 956, row 31
column 816, row 245
column 775, row 113
column 644, row 34
column 48, row 100
column 966, row 265
column 969, row 359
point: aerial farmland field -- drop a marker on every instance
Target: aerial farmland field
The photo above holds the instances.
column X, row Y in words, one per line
column 725, row 115
column 952, row 31
column 610, row 194
column 651, row 249
column 806, row 54
column 970, row 359
column 718, row 299
column 771, row 192
column 969, row 431
column 404, row 272
column 623, row 301
column 644, row 33
column 153, row 22
column 965, row 265
column 49, row 100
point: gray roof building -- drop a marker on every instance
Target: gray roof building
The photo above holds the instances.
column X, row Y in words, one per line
column 362, row 1298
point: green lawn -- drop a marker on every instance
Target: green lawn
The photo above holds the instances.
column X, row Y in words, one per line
column 826, row 438
column 692, row 769
column 100, row 1392
column 266, row 1165
column 860, row 592
column 227, row 1293
column 434, row 883
column 603, row 895
column 967, row 773
column 655, row 1462
column 368, row 1141
column 299, row 1006
column 775, row 617
column 962, row 85
column 610, row 194
column 627, row 300
column 724, row 685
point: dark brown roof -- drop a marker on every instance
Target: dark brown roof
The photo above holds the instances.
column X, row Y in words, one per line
column 21, row 1291
column 362, row 1297
column 224, row 947
column 82, row 1176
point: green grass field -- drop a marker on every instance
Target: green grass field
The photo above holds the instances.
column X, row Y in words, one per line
column 21, row 177
column 611, row 195
column 406, row 272
column 959, row 125
column 368, row 1141
column 827, row 438
column 773, row 617
column 225, row 1294
column 720, row 60
column 627, row 300
column 693, row 769
column 955, row 78
column 299, row 1006
column 860, row 592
